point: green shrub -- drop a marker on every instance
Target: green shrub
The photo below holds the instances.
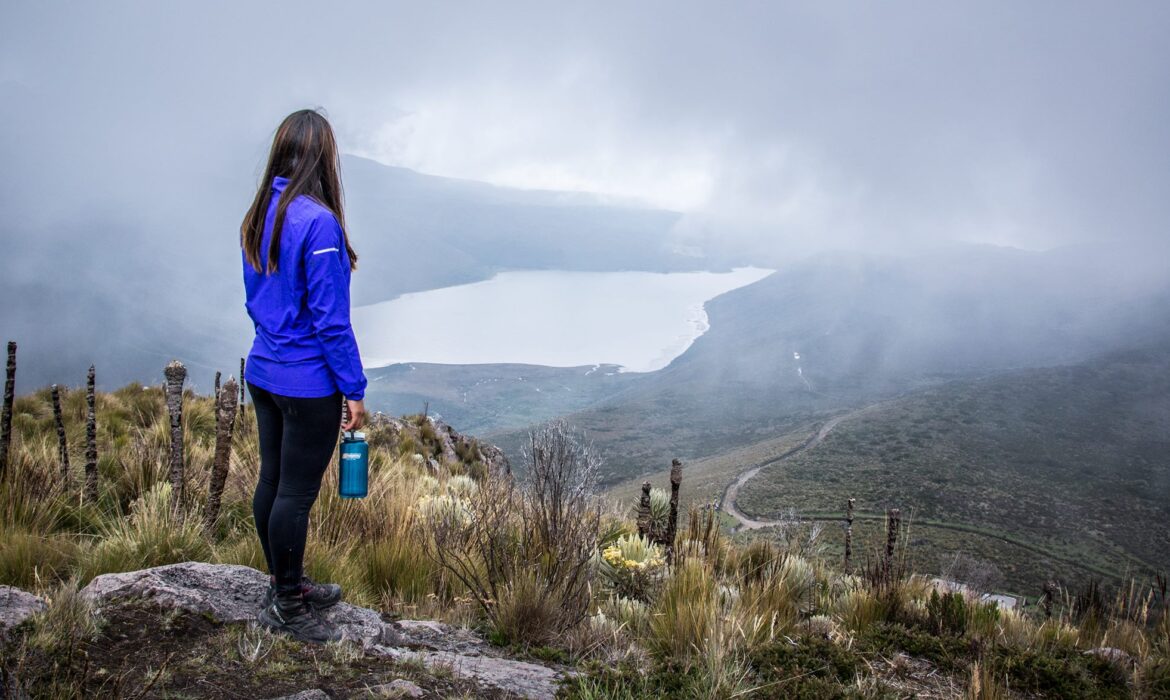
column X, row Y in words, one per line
column 633, row 567
column 1059, row 673
column 983, row 619
column 1155, row 679
column 947, row 613
column 948, row 653
column 628, row 682
column 805, row 668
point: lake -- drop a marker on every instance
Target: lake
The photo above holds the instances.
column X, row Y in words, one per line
column 638, row 320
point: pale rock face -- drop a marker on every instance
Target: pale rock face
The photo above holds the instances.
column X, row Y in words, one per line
column 16, row 606
column 229, row 593
column 226, row 592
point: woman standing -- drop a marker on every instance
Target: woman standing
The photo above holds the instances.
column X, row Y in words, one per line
column 297, row 263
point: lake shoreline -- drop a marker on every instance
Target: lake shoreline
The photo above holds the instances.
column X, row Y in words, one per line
column 638, row 321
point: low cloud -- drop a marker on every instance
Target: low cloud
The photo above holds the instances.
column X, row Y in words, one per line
column 1034, row 125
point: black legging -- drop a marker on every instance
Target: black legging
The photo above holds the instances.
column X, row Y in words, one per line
column 297, row 438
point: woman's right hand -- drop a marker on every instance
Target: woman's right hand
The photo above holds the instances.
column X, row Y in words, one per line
column 357, row 415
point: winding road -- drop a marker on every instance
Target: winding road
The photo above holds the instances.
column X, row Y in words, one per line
column 746, row 523
column 732, row 492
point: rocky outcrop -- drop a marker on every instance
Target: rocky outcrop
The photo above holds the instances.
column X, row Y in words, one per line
column 228, row 593
column 435, row 442
column 522, row 678
column 16, row 606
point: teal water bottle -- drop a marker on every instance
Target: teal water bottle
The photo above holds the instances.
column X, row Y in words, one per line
column 353, row 479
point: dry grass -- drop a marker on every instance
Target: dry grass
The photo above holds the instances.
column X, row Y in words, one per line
column 527, row 558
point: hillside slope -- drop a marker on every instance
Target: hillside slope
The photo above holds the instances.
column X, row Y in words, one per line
column 722, row 620
column 838, row 331
column 1072, row 462
column 493, row 397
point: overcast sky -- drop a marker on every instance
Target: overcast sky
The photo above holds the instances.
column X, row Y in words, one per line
column 1032, row 124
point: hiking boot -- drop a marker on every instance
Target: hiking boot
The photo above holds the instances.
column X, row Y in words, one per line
column 318, row 595
column 296, row 618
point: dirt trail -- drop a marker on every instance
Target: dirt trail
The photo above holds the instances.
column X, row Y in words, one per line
column 745, row 523
column 732, row 492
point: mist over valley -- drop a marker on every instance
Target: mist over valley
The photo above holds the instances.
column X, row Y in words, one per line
column 710, row 350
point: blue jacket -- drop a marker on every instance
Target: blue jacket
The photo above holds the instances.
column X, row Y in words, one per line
column 304, row 344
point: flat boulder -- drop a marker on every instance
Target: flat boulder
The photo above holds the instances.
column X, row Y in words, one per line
column 226, row 593
column 521, row 678
column 230, row 593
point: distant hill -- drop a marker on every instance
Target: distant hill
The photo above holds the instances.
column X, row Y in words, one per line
column 417, row 232
column 842, row 330
column 492, row 397
column 1060, row 471
column 131, row 287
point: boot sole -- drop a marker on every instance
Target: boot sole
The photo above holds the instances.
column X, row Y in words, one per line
column 276, row 626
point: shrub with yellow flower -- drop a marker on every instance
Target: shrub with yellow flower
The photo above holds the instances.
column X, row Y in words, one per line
column 633, row 566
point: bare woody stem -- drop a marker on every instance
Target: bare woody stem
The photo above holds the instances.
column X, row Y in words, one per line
column 1049, row 590
column 6, row 415
column 225, row 410
column 243, row 393
column 849, row 536
column 644, row 511
column 215, row 396
column 672, row 525
column 62, row 445
column 91, row 454
column 175, row 374
column 893, row 524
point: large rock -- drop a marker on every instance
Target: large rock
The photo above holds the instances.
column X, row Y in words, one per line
column 528, row 680
column 224, row 592
column 230, row 593
column 16, row 606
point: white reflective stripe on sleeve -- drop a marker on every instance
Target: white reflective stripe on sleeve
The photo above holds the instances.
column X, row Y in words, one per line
column 325, row 250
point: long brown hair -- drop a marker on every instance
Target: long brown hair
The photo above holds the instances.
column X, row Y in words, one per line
column 305, row 152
